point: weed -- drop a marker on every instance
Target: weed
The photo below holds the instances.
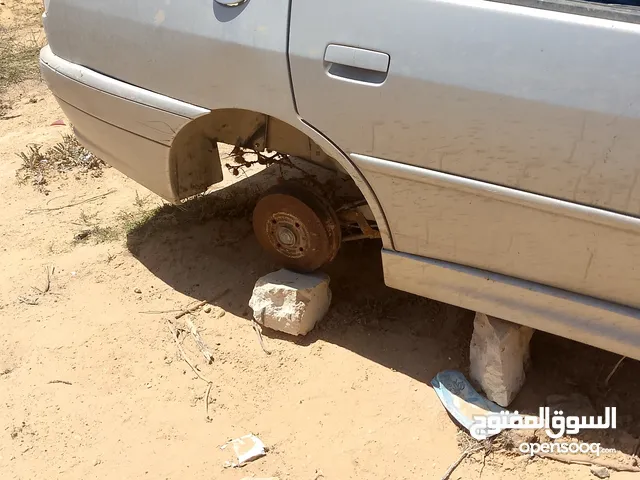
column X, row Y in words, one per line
column 69, row 154
column 105, row 234
column 33, row 160
column 143, row 220
column 63, row 157
column 99, row 234
column 126, row 222
column 198, row 209
column 94, row 230
column 34, row 166
column 88, row 218
column 133, row 221
column 141, row 202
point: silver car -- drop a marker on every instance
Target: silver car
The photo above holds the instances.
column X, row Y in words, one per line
column 495, row 145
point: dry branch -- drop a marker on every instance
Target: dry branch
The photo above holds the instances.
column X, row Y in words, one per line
column 191, row 309
column 60, row 381
column 615, row 368
column 47, row 285
column 584, row 460
column 185, row 357
column 206, row 399
column 27, row 300
column 175, row 335
column 459, row 460
column 258, row 331
column 201, row 304
column 91, row 199
column 204, row 348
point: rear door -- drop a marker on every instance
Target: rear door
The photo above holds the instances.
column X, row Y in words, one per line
column 533, row 100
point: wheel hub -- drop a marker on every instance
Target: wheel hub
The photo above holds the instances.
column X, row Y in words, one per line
column 285, row 236
column 288, row 235
column 296, row 227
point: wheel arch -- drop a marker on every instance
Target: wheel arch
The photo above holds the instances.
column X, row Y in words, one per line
column 194, row 160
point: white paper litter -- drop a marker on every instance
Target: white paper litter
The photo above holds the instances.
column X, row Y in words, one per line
column 246, row 448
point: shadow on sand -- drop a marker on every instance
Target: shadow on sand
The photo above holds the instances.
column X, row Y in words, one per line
column 207, row 246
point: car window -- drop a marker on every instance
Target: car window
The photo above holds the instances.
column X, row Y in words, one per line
column 619, row 10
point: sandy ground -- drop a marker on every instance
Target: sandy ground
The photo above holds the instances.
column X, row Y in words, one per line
column 352, row 400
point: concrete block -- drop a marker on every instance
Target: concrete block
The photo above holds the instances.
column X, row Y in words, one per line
column 499, row 353
column 291, row 302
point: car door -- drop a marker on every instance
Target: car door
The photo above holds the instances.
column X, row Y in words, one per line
column 495, row 135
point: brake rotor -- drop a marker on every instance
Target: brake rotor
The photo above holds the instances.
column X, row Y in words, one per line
column 296, row 227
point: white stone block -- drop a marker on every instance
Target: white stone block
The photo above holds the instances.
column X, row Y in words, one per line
column 499, row 353
column 291, row 302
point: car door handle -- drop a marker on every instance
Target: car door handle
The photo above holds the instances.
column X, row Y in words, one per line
column 357, row 57
column 357, row 64
column 231, row 3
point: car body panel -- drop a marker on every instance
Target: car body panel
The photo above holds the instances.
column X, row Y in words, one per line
column 521, row 99
column 581, row 318
column 531, row 99
column 502, row 230
column 203, row 53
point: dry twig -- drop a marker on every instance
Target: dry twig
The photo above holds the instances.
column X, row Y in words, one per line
column 158, row 312
column 256, row 329
column 47, row 285
column 185, row 357
column 201, row 304
column 175, row 335
column 87, row 200
column 615, row 368
column 206, row 399
column 204, row 348
column 27, row 300
column 201, row 345
column 191, row 309
column 459, row 460
column 584, row 460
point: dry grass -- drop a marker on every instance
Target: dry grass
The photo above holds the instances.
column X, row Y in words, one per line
column 18, row 58
column 20, row 43
column 94, row 231
column 143, row 220
column 67, row 155
column 98, row 234
column 232, row 203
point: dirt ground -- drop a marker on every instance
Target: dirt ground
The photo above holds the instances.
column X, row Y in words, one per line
column 92, row 385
